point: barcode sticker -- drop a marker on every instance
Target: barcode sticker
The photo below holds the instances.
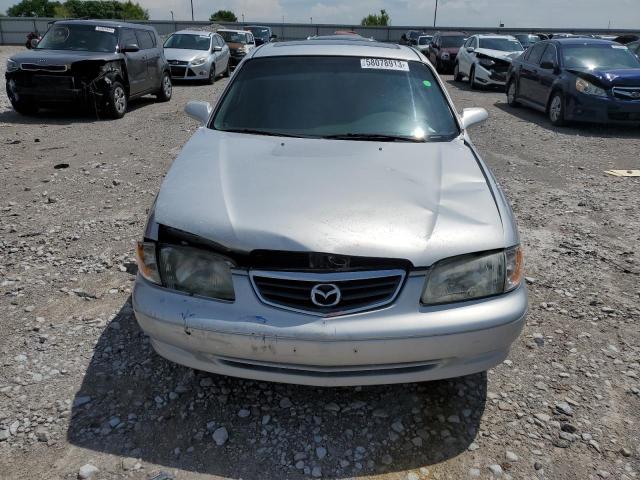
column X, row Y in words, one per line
column 105, row 29
column 384, row 64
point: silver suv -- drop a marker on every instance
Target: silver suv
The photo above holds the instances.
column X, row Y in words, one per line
column 330, row 223
column 197, row 55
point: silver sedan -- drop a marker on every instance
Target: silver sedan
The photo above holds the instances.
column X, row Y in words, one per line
column 331, row 223
column 197, row 55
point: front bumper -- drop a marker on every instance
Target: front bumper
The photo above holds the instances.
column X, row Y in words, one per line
column 490, row 77
column 189, row 72
column 54, row 92
column 400, row 343
column 608, row 110
column 236, row 58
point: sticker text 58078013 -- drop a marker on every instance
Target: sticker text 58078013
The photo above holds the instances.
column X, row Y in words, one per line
column 384, row 64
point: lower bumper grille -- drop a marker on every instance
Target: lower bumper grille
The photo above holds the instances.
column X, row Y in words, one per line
column 178, row 71
column 330, row 294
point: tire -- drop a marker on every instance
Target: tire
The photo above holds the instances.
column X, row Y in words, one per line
column 472, row 79
column 457, row 76
column 23, row 107
column 116, row 101
column 555, row 110
column 227, row 72
column 512, row 94
column 166, row 88
column 211, row 79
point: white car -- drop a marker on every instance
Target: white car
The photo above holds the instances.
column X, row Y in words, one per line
column 197, row 55
column 485, row 59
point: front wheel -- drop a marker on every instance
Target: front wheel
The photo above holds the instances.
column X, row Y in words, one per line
column 211, row 79
column 166, row 88
column 556, row 109
column 457, row 76
column 472, row 80
column 512, row 94
column 116, row 101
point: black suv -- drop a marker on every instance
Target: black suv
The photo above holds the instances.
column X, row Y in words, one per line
column 103, row 64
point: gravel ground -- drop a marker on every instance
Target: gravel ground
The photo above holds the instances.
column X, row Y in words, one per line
column 83, row 395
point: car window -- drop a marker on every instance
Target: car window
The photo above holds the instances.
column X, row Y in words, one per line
column 599, row 56
column 219, row 41
column 549, row 55
column 342, row 95
column 474, row 44
column 536, row 53
column 423, row 41
column 452, row 41
column 145, row 41
column 79, row 37
column 234, row 37
column 501, row 44
column 188, row 41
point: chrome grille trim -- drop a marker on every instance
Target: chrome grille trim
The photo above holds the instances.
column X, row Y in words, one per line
column 306, row 278
column 34, row 67
column 627, row 93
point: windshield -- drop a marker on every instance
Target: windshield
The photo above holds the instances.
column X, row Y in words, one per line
column 188, row 41
column 337, row 97
column 88, row 38
column 595, row 57
column 502, row 44
column 424, row 40
column 260, row 32
column 234, row 37
column 528, row 39
column 450, row 42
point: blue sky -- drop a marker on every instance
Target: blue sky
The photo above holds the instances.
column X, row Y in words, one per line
column 484, row 13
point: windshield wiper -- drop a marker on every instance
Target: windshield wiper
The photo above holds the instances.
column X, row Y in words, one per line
column 380, row 137
column 262, row 132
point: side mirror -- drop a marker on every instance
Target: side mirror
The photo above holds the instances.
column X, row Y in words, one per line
column 34, row 42
column 130, row 48
column 471, row 116
column 200, row 111
column 471, row 49
column 217, row 48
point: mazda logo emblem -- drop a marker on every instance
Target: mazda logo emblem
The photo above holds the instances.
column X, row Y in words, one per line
column 325, row 295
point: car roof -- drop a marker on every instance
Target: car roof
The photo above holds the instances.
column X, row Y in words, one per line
column 105, row 23
column 193, row 32
column 349, row 37
column 582, row 41
column 233, row 30
column 492, row 35
column 337, row 47
column 257, row 26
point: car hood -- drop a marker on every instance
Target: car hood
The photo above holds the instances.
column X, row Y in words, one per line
column 183, row 54
column 499, row 54
column 61, row 57
column 629, row 77
column 420, row 202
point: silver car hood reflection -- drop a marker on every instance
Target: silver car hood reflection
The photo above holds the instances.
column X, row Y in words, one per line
column 184, row 55
column 417, row 201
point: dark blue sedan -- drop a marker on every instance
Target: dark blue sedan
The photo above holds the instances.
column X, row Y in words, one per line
column 577, row 79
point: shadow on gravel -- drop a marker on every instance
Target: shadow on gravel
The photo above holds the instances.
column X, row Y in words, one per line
column 576, row 129
column 66, row 115
column 134, row 404
column 465, row 86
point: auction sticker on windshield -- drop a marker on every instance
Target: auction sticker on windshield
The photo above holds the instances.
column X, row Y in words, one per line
column 105, row 29
column 384, row 64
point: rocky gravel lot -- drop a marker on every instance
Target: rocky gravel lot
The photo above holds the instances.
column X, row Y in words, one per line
column 82, row 395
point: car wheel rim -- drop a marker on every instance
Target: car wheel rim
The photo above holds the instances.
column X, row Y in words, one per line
column 120, row 100
column 554, row 109
column 166, row 85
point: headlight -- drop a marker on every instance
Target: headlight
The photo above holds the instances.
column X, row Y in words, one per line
column 486, row 62
column 147, row 261
column 246, row 49
column 589, row 88
column 473, row 276
column 12, row 66
column 198, row 61
column 195, row 271
column 444, row 55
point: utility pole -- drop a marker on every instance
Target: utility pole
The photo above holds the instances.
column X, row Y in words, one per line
column 435, row 14
column 192, row 18
column 172, row 19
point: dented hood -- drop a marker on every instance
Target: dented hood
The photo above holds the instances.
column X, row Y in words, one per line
column 499, row 54
column 420, row 202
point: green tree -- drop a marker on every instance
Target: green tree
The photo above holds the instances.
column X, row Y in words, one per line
column 373, row 20
column 33, row 8
column 223, row 16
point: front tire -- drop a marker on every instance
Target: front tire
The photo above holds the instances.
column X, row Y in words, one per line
column 166, row 88
column 457, row 76
column 211, row 79
column 555, row 111
column 512, row 94
column 472, row 79
column 116, row 101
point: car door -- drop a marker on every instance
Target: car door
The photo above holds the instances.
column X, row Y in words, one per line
column 135, row 62
column 152, row 56
column 217, row 47
column 528, row 72
column 547, row 75
column 468, row 58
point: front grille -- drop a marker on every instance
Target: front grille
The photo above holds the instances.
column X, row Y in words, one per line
column 356, row 291
column 627, row 93
column 178, row 71
column 178, row 62
column 46, row 68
